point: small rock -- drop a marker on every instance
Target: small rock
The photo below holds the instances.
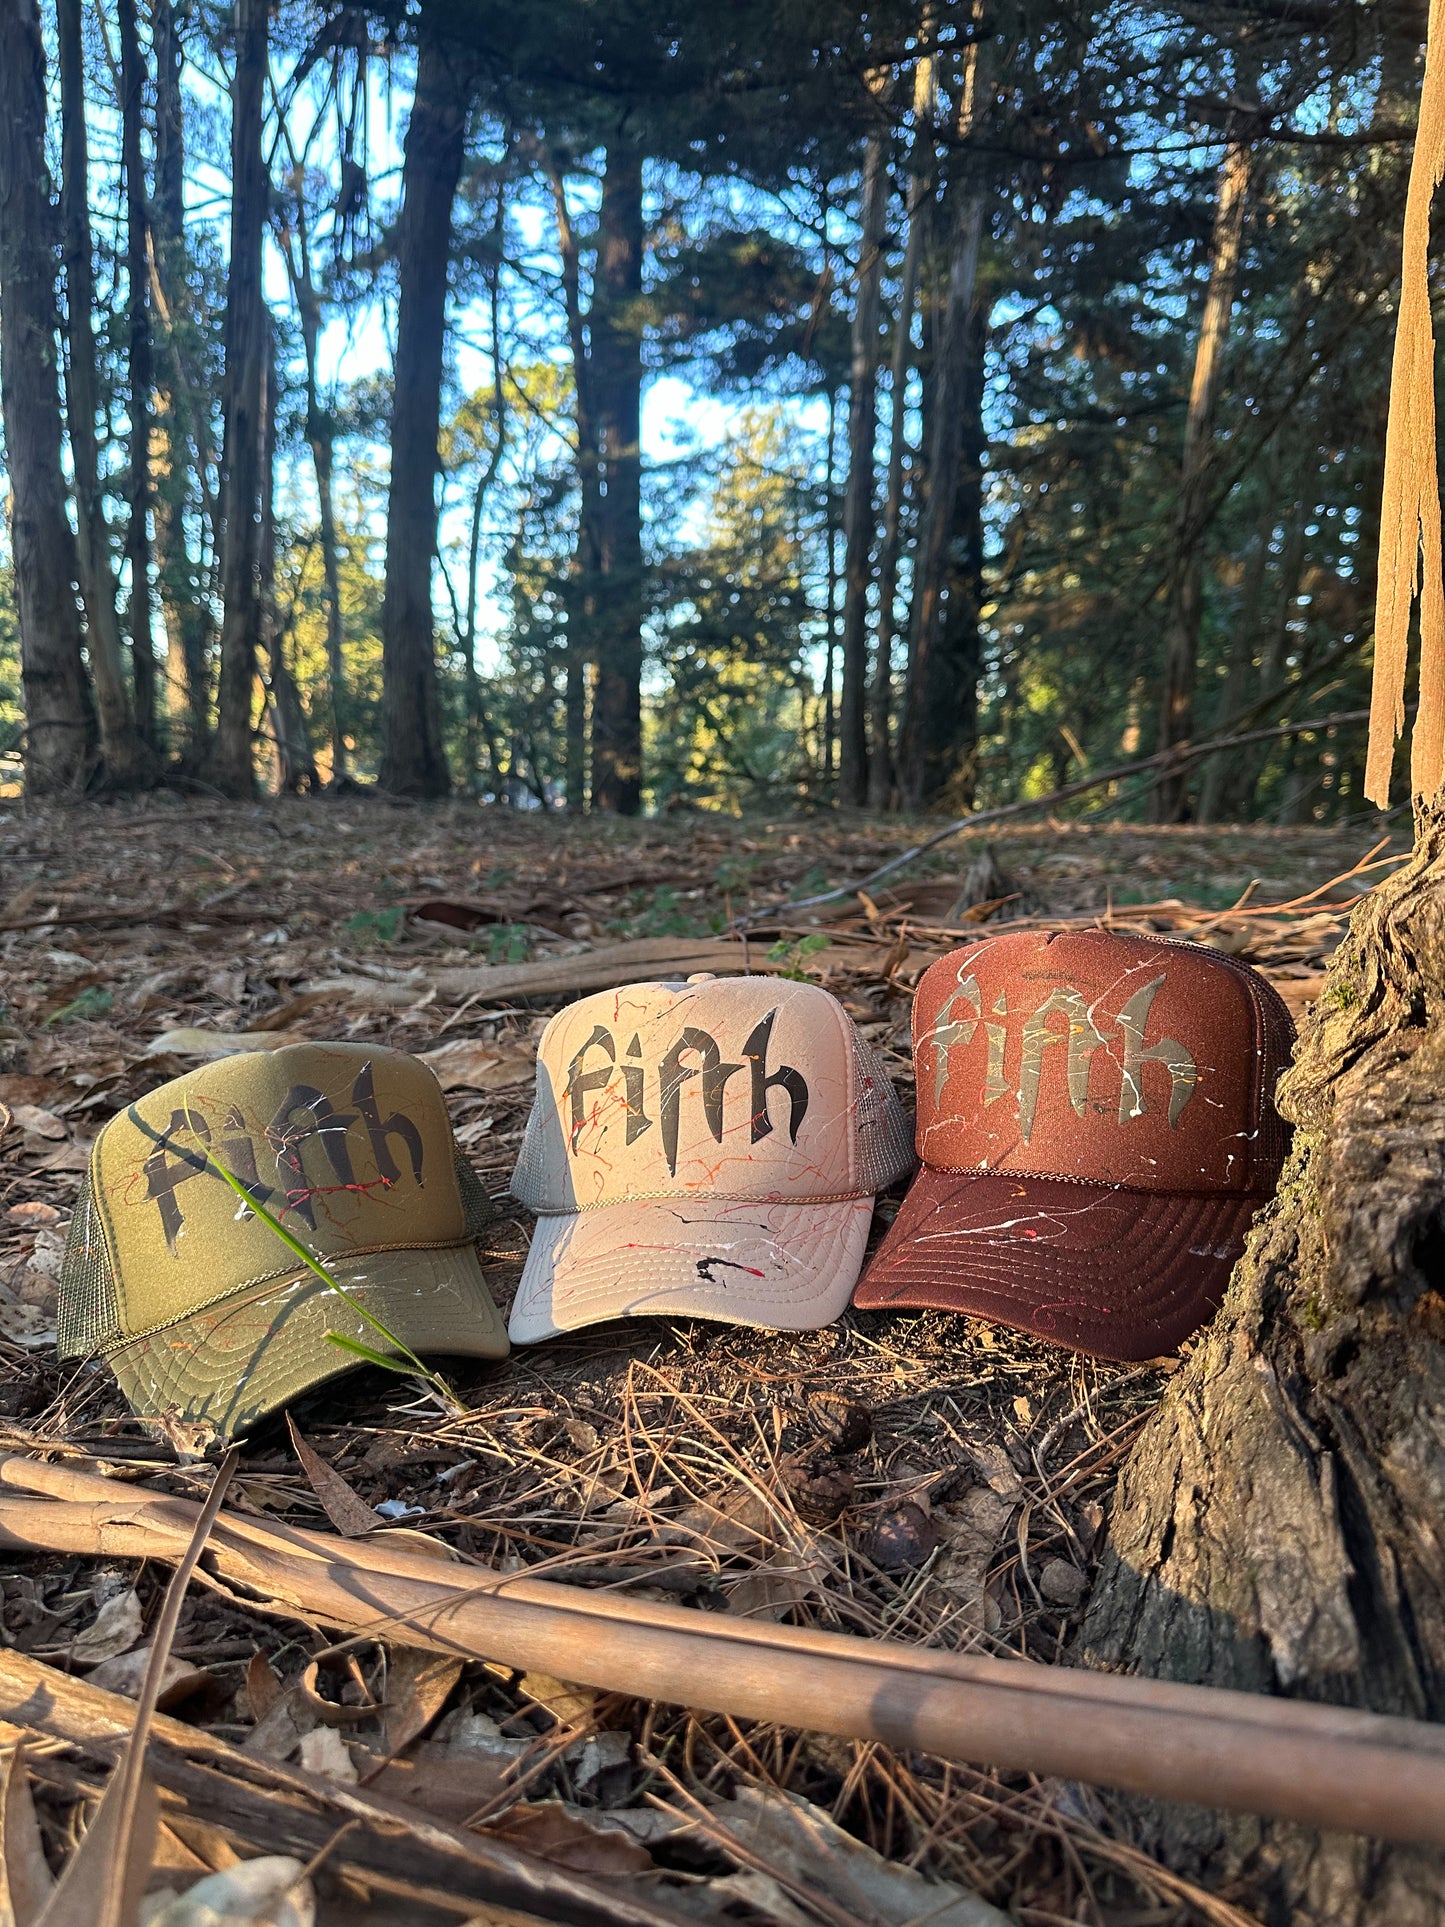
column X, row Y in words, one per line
column 1062, row 1583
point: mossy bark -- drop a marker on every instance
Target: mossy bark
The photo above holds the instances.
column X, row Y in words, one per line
column 1280, row 1525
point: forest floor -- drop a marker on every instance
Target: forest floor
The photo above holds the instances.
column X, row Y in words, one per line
column 933, row 1478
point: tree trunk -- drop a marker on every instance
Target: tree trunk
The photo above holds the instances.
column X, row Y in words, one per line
column 586, row 558
column 936, row 710
column 953, row 751
column 920, row 194
column 413, row 761
column 52, row 673
column 295, row 764
column 185, row 609
column 1245, row 642
column 1186, row 585
column 120, row 748
column 1276, row 1525
column 616, row 394
column 830, row 590
column 320, row 438
column 138, row 398
column 247, row 328
column 858, row 518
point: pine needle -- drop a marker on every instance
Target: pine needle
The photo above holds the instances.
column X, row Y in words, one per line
column 1410, row 511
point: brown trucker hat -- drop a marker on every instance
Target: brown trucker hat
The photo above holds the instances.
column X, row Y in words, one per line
column 1097, row 1129
column 201, row 1311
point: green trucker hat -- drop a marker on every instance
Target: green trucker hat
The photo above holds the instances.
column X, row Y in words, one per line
column 201, row 1311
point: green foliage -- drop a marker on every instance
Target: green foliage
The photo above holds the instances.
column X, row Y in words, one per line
column 368, row 927
column 93, row 1001
column 792, row 953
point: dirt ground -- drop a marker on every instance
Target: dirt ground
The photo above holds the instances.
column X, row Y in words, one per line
column 927, row 1477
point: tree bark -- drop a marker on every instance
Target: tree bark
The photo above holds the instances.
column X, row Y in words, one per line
column 230, row 765
column 413, row 761
column 1186, row 585
column 959, row 662
column 934, row 731
column 120, row 747
column 586, row 557
column 295, row 764
column 1276, row 1527
column 295, row 243
column 138, row 398
column 920, row 193
column 858, row 517
column 616, row 394
column 179, row 426
column 52, row 673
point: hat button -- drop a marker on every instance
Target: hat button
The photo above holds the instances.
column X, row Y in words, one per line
column 702, row 977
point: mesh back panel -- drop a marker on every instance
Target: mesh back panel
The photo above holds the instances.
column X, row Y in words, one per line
column 885, row 1141
column 88, row 1317
column 529, row 1180
column 478, row 1206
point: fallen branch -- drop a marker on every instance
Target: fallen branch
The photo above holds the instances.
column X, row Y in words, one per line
column 207, row 1784
column 1329, row 1766
column 548, row 976
column 1179, row 757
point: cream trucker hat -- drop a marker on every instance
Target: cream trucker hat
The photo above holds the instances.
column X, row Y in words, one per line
column 707, row 1149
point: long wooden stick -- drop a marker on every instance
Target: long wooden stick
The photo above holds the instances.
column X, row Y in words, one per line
column 1330, row 1766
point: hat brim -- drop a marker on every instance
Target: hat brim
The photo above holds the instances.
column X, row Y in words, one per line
column 1117, row 1273
column 234, row 1362
column 784, row 1267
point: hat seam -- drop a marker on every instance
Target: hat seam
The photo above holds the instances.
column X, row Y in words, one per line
column 1099, row 1184
column 687, row 1197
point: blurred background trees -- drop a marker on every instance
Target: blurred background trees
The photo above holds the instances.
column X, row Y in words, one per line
column 629, row 405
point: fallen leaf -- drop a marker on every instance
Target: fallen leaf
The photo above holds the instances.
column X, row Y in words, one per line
column 469, row 1064
column 74, row 1156
column 599, row 1753
column 125, row 1673
column 418, row 1685
column 998, row 1471
column 209, row 1045
column 449, row 1786
column 351, row 1516
column 26, row 1325
column 32, row 1214
column 546, row 1828
column 785, row 1580
column 49, row 1252
column 568, row 1705
column 330, row 1712
column 324, row 1751
column 272, row 1891
column 972, row 1530
column 26, row 1882
column 785, row 1831
column 36, row 1122
column 263, row 1689
column 115, row 1629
